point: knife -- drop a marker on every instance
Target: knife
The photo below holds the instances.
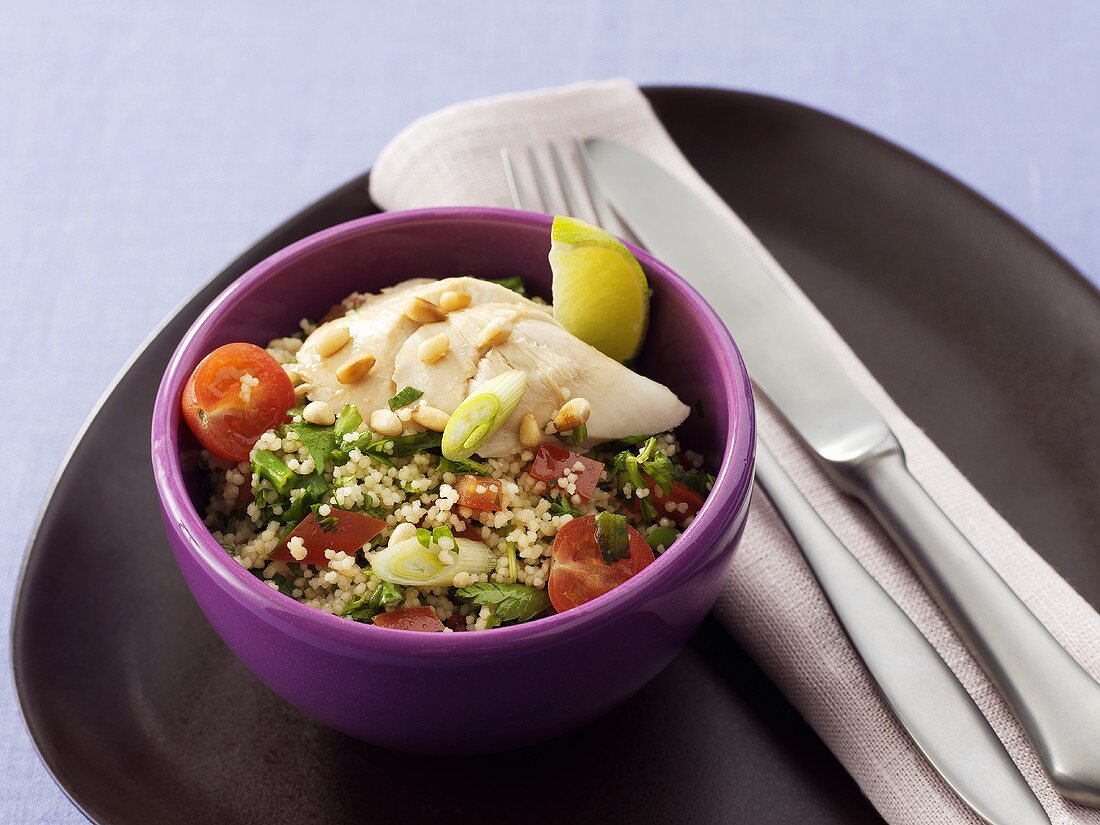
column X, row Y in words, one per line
column 1055, row 699
column 930, row 703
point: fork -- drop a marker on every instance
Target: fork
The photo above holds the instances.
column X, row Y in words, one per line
column 925, row 696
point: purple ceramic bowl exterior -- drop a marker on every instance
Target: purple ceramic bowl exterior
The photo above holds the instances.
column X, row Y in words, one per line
column 461, row 692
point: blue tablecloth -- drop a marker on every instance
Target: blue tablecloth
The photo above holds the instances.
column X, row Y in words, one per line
column 143, row 145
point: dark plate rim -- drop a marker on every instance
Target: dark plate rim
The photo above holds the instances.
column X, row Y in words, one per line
column 359, row 181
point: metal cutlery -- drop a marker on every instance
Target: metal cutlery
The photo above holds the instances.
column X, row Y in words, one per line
column 926, row 698
column 1055, row 699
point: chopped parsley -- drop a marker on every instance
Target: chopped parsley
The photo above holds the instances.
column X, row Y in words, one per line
column 405, row 397
column 514, row 283
column 650, row 465
column 365, row 607
column 661, row 538
column 509, row 602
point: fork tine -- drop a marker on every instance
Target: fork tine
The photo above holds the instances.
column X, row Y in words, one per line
column 605, row 215
column 572, row 204
column 541, row 183
column 515, row 189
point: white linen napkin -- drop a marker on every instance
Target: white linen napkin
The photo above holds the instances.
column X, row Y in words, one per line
column 770, row 601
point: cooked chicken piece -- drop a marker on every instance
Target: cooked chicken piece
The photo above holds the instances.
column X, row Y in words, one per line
column 498, row 331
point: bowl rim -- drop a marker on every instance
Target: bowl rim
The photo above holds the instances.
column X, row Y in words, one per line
column 732, row 486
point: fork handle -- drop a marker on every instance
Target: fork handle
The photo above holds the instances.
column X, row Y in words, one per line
column 1054, row 698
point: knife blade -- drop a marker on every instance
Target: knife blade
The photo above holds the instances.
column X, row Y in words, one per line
column 1055, row 699
column 930, row 703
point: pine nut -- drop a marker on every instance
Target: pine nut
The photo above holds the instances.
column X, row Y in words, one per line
column 430, row 418
column 495, row 333
column 423, row 311
column 319, row 412
column 572, row 414
column 331, row 340
column 452, row 301
column 434, row 348
column 356, row 370
column 386, row 423
column 402, row 532
column 302, row 389
column 529, row 433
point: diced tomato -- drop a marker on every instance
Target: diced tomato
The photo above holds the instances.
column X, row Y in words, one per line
column 353, row 301
column 245, row 496
column 471, row 530
column 551, row 462
column 213, row 408
column 351, row 531
column 479, row 493
column 456, row 622
column 410, row 618
column 680, row 494
column 578, row 572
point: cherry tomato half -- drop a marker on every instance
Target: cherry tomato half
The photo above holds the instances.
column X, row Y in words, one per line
column 215, row 410
column 410, row 618
column 680, row 494
column 350, row 532
column 551, row 462
column 479, row 493
column 578, row 572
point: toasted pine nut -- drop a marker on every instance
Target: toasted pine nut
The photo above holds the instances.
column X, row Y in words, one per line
column 319, row 412
column 302, row 389
column 495, row 333
column 529, row 433
column 402, row 532
column 452, row 301
column 572, row 414
column 386, row 423
column 423, row 311
column 356, row 370
column 331, row 340
column 434, row 348
column 431, row 418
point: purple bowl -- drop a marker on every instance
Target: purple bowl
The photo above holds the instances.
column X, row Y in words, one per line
column 475, row 691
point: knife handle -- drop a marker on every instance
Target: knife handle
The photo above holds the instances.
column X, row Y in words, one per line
column 925, row 696
column 1055, row 699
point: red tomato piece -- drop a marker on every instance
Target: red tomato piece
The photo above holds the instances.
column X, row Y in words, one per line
column 679, row 495
column 410, row 618
column 456, row 622
column 578, row 572
column 552, row 461
column 352, row 531
column 213, row 408
column 479, row 493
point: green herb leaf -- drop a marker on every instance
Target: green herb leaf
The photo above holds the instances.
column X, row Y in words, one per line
column 575, row 437
column 562, row 506
column 347, row 422
column 286, row 586
column 320, row 441
column 326, row 523
column 612, row 537
column 424, row 537
column 463, row 467
column 510, row 602
column 514, row 283
column 407, row 445
column 364, row 607
column 405, row 397
column 661, row 538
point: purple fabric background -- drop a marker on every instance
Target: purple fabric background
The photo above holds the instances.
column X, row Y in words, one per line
column 143, row 145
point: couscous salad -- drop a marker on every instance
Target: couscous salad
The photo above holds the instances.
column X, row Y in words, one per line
column 451, row 455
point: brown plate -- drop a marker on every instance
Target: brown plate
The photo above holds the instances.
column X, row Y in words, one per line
column 983, row 334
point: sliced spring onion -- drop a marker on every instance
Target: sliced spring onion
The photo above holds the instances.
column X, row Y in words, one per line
column 270, row 466
column 612, row 537
column 482, row 413
column 411, row 563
